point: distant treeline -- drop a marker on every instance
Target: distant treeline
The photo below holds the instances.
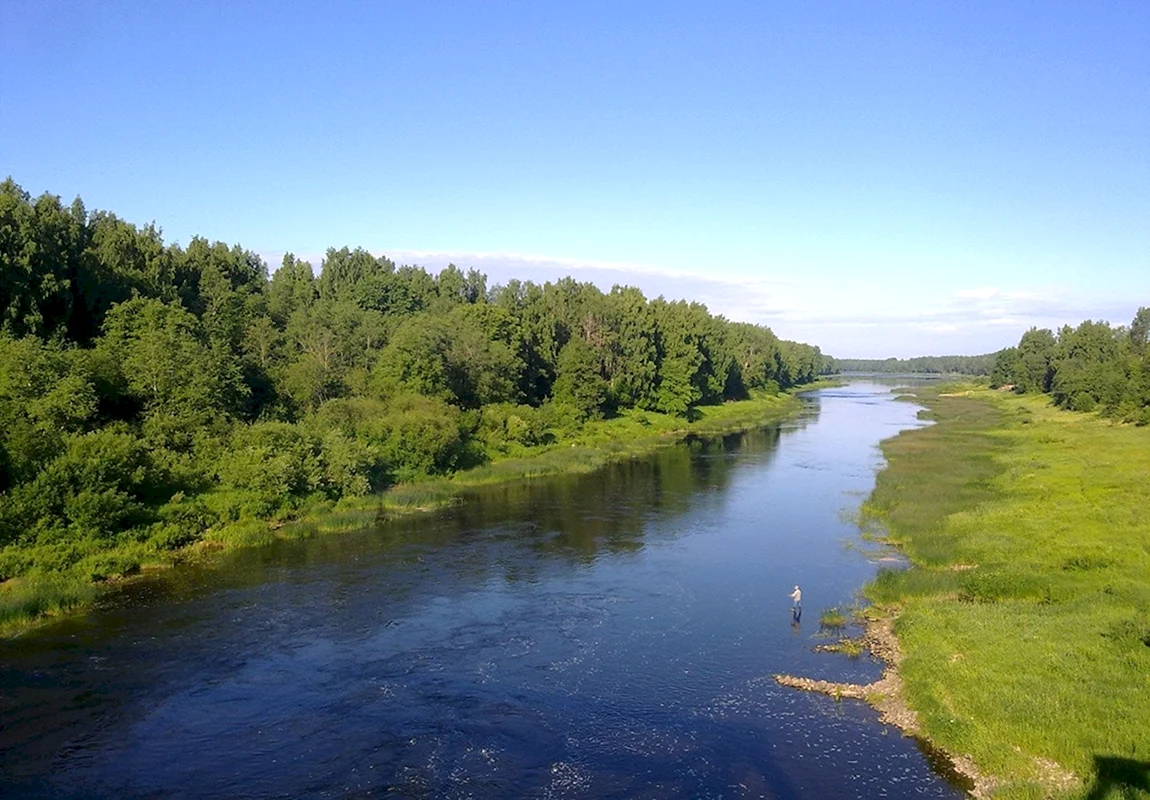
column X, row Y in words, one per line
column 931, row 365
column 1091, row 367
column 149, row 391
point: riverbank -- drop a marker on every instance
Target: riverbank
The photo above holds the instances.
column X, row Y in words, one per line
column 1024, row 620
column 26, row 602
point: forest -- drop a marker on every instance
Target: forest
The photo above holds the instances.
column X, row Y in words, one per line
column 151, row 391
column 928, row 365
column 1093, row 367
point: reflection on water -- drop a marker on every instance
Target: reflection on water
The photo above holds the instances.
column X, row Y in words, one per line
column 604, row 635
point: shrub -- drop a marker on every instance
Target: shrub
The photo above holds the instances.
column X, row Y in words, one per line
column 420, row 436
column 13, row 562
column 270, row 462
column 1083, row 401
column 505, row 428
column 114, row 564
column 347, row 464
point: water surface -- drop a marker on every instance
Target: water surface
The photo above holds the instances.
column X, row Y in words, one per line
column 606, row 635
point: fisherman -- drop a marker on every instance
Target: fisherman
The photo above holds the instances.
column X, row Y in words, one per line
column 796, row 602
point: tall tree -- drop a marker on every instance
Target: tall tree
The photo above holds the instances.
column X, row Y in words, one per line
column 292, row 288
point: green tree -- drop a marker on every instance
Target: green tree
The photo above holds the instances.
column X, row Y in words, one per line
column 539, row 345
column 292, row 288
column 1089, row 368
column 119, row 261
column 677, row 389
column 631, row 355
column 40, row 244
column 1140, row 331
column 1006, row 367
column 166, row 365
column 343, row 271
column 579, row 383
column 1034, row 370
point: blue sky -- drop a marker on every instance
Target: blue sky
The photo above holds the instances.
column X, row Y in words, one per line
column 879, row 179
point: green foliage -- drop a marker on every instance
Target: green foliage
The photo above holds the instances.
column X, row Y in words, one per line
column 919, row 365
column 1006, row 366
column 166, row 365
column 268, row 465
column 156, row 397
column 833, row 618
column 100, row 484
column 1034, row 371
column 579, row 383
column 505, row 429
column 419, row 436
column 1088, row 368
column 343, row 270
column 466, row 357
column 40, row 244
column 292, row 288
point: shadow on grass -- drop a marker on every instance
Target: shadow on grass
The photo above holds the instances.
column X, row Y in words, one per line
column 1119, row 777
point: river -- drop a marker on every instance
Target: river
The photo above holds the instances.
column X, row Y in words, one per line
column 602, row 635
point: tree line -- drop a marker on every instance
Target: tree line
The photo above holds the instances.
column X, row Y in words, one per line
column 149, row 391
column 928, row 365
column 1091, row 367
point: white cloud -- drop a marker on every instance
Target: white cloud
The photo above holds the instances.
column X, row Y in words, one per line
column 979, row 294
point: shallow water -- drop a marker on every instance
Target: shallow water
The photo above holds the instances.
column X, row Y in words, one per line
column 607, row 635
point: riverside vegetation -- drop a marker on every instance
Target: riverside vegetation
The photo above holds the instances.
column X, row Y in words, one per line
column 159, row 400
column 1025, row 617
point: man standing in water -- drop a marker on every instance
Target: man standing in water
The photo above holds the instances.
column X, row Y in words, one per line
column 797, row 602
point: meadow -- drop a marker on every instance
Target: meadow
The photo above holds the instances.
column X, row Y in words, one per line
column 1025, row 616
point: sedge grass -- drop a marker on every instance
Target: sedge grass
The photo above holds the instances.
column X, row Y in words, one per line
column 1025, row 618
column 833, row 618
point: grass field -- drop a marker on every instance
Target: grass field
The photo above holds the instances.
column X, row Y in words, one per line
column 1025, row 617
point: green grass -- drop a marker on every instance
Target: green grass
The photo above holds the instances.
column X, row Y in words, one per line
column 851, row 647
column 39, row 596
column 833, row 618
column 1025, row 617
column 87, row 568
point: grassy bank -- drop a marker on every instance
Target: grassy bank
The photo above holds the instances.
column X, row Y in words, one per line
column 1025, row 619
column 28, row 600
column 630, row 435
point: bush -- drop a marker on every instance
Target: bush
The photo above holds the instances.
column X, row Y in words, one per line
column 115, row 564
column 166, row 536
column 101, row 514
column 270, row 463
column 348, row 466
column 13, row 562
column 420, row 436
column 184, row 522
column 505, row 428
column 1083, row 401
column 59, row 556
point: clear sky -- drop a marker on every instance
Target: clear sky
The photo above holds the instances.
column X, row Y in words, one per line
column 879, row 179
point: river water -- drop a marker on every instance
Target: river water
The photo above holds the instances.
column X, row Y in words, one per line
column 604, row 635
